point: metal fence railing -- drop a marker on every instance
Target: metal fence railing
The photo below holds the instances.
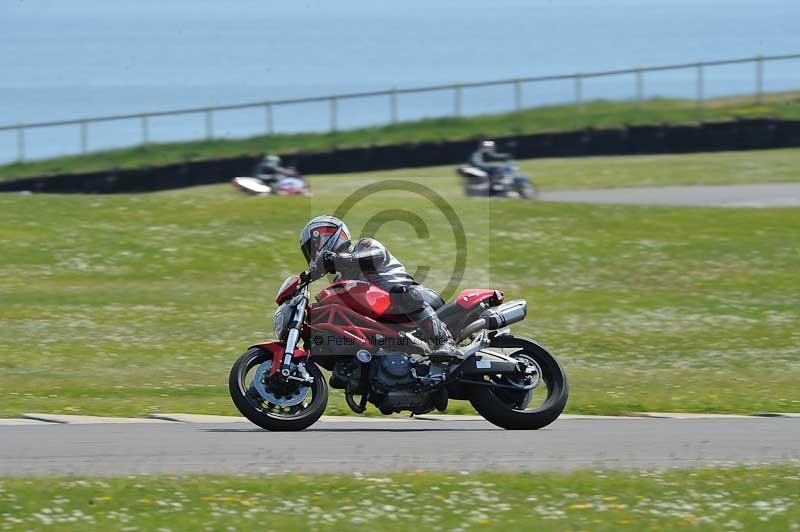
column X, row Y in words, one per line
column 391, row 95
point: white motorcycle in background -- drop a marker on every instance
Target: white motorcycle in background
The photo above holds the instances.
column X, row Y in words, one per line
column 272, row 185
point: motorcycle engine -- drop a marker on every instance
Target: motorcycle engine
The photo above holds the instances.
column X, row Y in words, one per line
column 403, row 382
column 394, row 368
column 397, row 381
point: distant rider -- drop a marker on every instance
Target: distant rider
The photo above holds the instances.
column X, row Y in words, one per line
column 270, row 171
column 273, row 174
column 486, row 154
column 325, row 241
column 486, row 158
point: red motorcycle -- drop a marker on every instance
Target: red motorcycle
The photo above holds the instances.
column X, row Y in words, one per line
column 373, row 355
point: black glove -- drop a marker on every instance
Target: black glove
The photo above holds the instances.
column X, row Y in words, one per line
column 316, row 269
column 328, row 264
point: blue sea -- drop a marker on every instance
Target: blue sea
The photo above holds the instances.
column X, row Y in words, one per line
column 83, row 58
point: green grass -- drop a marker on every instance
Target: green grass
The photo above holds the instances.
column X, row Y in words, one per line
column 130, row 304
column 741, row 498
column 537, row 119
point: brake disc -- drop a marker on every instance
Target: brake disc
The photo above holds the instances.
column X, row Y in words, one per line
column 532, row 378
column 259, row 383
column 534, row 373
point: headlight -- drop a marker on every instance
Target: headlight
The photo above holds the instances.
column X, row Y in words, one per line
column 279, row 323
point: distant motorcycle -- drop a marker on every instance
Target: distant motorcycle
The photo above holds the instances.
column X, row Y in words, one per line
column 272, row 185
column 502, row 181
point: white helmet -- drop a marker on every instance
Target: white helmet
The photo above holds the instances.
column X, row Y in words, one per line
column 271, row 160
column 324, row 232
column 487, row 144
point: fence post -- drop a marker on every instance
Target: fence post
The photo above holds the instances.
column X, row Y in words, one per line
column 145, row 130
column 760, row 79
column 393, row 105
column 209, row 124
column 457, row 100
column 84, row 136
column 334, row 112
column 21, row 143
column 268, row 119
column 578, row 98
column 517, row 95
column 700, row 85
column 639, row 87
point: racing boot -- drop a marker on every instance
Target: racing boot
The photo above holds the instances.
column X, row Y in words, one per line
column 439, row 338
column 431, row 333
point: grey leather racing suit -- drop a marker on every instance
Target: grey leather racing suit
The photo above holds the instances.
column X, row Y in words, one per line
column 370, row 261
column 484, row 157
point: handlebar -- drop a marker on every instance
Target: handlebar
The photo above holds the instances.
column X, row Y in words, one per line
column 313, row 274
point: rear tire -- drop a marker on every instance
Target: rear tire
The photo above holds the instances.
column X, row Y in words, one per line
column 500, row 413
column 249, row 408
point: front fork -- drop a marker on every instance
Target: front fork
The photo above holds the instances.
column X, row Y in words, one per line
column 298, row 319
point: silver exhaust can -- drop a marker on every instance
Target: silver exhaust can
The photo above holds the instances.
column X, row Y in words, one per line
column 506, row 314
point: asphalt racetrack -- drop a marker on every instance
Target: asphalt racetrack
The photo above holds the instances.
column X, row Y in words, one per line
column 768, row 195
column 386, row 445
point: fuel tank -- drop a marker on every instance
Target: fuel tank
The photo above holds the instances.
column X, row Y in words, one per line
column 364, row 298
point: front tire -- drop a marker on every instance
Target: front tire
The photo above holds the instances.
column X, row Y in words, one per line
column 258, row 410
column 498, row 408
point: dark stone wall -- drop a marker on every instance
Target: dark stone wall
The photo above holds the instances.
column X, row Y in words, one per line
column 744, row 134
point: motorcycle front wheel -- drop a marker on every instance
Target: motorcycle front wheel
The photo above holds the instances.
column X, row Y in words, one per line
column 523, row 410
column 271, row 403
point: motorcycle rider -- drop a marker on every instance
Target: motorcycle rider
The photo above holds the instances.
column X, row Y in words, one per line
column 325, row 242
column 486, row 154
column 484, row 157
column 269, row 170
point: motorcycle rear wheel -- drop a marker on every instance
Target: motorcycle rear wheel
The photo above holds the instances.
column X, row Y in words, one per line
column 271, row 416
column 502, row 408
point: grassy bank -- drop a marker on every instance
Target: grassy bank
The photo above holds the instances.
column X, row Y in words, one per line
column 132, row 304
column 742, row 498
column 533, row 120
